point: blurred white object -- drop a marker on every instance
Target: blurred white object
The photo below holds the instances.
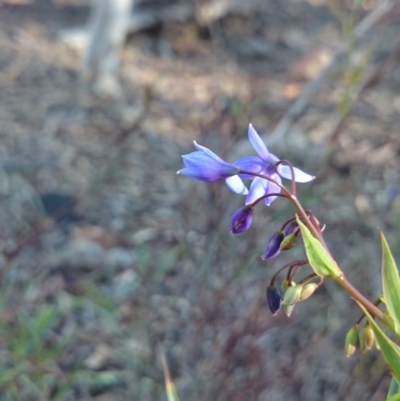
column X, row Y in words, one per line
column 110, row 22
column 108, row 27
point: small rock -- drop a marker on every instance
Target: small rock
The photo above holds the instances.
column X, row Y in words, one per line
column 144, row 235
column 124, row 285
column 99, row 358
column 120, row 258
column 97, row 234
column 83, row 254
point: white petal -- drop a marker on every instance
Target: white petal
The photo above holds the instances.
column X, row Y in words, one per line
column 299, row 176
column 258, row 188
column 257, row 143
column 236, row 185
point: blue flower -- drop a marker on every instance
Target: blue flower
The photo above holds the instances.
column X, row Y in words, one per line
column 205, row 165
column 267, row 164
column 241, row 219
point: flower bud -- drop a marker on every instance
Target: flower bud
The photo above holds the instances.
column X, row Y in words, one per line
column 308, row 290
column 290, row 232
column 274, row 299
column 292, row 294
column 273, row 247
column 286, row 284
column 241, row 219
column 288, row 309
column 350, row 344
column 367, row 338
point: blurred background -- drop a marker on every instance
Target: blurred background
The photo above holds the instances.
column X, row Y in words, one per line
column 109, row 259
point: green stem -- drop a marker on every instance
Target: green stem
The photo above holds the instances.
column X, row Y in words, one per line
column 364, row 301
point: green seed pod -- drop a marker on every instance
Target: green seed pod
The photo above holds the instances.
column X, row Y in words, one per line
column 367, row 338
column 308, row 290
column 351, row 341
column 286, row 284
column 288, row 309
column 292, row 294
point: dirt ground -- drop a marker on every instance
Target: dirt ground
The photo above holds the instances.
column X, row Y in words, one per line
column 137, row 261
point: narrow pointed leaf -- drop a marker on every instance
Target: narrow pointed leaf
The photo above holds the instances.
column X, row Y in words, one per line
column 318, row 257
column 170, row 389
column 391, row 284
column 389, row 349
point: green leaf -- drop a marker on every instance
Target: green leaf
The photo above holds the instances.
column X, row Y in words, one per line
column 389, row 349
column 395, row 397
column 391, row 284
column 394, row 388
column 318, row 257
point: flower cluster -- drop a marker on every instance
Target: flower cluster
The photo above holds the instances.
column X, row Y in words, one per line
column 265, row 172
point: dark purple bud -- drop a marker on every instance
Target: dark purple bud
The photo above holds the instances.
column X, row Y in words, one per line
column 273, row 247
column 274, row 299
column 291, row 228
column 242, row 219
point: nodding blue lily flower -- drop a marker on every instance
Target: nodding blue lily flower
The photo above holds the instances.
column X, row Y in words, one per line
column 205, row 165
column 265, row 163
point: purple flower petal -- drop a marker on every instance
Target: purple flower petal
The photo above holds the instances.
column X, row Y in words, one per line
column 235, row 184
column 192, row 159
column 201, row 175
column 209, row 153
column 258, row 188
column 250, row 163
column 299, row 175
column 257, row 143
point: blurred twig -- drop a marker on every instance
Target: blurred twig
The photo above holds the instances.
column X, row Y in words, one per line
column 339, row 118
column 372, row 79
column 301, row 104
column 123, row 134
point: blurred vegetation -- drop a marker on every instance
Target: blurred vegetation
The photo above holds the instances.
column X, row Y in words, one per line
column 143, row 264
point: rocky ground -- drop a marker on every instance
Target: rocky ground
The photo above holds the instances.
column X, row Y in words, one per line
column 110, row 259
